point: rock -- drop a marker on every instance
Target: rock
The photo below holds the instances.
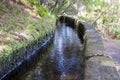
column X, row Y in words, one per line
column 93, row 44
column 100, row 68
column 113, row 49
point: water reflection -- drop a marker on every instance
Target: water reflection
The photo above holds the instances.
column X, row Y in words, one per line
column 64, row 61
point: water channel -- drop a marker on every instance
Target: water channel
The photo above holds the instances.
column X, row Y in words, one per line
column 62, row 60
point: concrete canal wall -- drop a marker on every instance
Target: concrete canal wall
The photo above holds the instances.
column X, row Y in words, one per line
column 97, row 64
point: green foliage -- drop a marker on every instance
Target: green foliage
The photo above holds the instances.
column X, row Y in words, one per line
column 3, row 7
column 95, row 5
column 104, row 16
column 54, row 7
column 19, row 30
column 35, row 30
column 61, row 7
column 41, row 10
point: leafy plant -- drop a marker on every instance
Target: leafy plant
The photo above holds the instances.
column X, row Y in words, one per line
column 104, row 16
column 61, row 7
column 41, row 10
column 3, row 7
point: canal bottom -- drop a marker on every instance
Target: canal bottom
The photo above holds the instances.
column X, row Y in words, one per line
column 62, row 61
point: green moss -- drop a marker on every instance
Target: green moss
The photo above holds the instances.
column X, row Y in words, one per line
column 27, row 30
column 20, row 31
column 36, row 30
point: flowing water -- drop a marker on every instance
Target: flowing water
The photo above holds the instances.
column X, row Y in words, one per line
column 63, row 62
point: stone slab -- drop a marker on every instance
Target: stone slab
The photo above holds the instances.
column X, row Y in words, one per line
column 100, row 68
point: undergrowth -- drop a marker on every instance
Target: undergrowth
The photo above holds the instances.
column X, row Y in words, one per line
column 18, row 28
column 104, row 16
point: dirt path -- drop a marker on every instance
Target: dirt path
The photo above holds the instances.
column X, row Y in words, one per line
column 113, row 49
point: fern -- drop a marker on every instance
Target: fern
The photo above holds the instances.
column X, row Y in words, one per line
column 42, row 10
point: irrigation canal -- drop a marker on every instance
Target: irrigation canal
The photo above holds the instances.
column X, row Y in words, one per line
column 62, row 61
